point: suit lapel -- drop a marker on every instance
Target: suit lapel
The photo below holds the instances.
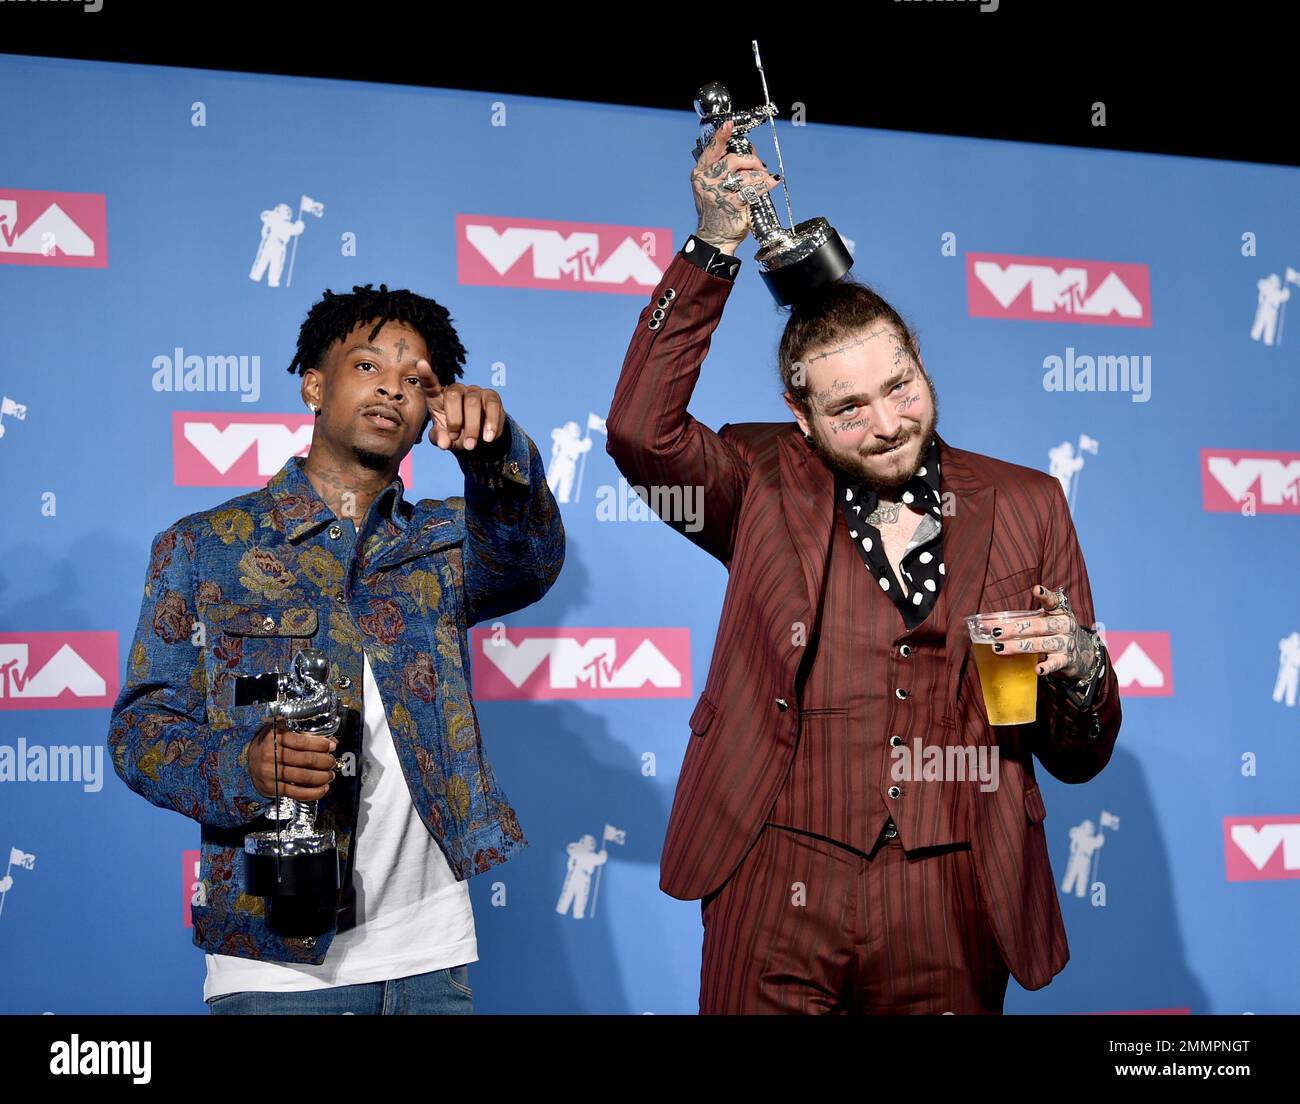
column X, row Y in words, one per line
column 967, row 532
column 807, row 502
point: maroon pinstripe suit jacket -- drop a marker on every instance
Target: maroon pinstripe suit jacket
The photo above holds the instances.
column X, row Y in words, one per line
column 767, row 515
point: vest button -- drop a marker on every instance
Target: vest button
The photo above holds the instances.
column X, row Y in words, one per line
column 336, row 531
column 896, row 741
column 309, row 941
column 268, row 623
column 343, row 681
column 340, row 597
column 782, row 704
column 901, row 694
column 895, row 791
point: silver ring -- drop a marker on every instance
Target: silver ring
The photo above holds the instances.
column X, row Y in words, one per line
column 733, row 183
column 1064, row 601
column 750, row 193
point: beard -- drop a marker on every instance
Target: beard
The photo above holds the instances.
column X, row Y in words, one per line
column 854, row 467
column 375, row 461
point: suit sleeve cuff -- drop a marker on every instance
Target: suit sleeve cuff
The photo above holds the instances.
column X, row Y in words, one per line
column 710, row 258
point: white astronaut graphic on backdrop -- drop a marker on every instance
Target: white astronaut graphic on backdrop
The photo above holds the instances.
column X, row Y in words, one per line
column 1065, row 461
column 279, row 227
column 583, row 861
column 566, row 447
column 1288, row 669
column 1080, row 869
column 578, row 880
column 1272, row 298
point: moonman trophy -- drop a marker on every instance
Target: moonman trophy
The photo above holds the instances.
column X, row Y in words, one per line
column 798, row 261
column 295, row 867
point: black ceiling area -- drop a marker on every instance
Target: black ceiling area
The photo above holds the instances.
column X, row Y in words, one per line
column 1174, row 79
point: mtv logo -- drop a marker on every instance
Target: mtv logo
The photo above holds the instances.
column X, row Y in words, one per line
column 58, row 670
column 1053, row 289
column 1143, row 663
column 533, row 664
column 1272, row 479
column 241, row 449
column 53, row 229
column 563, row 256
column 1261, row 848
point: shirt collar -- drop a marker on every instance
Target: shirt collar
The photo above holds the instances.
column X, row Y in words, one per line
column 925, row 483
column 298, row 509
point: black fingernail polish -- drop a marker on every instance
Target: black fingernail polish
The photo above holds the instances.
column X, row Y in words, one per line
column 998, row 647
column 997, row 632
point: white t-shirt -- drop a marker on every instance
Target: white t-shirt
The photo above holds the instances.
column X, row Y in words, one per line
column 413, row 916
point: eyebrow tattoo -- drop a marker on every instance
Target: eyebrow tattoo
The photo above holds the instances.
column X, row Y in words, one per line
column 845, row 400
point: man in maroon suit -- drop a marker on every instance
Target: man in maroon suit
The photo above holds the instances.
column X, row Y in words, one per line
column 836, row 875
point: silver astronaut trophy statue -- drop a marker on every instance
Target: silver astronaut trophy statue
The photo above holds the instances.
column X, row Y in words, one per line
column 295, row 866
column 796, row 261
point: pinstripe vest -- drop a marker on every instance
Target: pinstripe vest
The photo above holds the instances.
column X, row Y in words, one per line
column 839, row 785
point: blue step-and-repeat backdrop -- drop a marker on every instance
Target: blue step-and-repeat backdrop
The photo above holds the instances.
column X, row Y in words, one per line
column 1119, row 320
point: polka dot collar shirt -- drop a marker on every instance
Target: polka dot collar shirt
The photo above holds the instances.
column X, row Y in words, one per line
column 922, row 562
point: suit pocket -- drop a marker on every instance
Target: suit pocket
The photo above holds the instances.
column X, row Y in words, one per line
column 703, row 715
column 1009, row 592
column 1035, row 810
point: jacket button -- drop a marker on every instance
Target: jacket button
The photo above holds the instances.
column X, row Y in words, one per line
column 904, row 650
column 343, row 681
column 309, row 941
column 340, row 597
column 896, row 741
column 653, row 324
column 336, row 531
column 658, row 313
column 663, row 301
column 782, row 704
column 895, row 791
column 670, row 294
column 268, row 623
column 901, row 694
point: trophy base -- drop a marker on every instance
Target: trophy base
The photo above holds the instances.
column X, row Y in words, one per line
column 810, row 263
column 303, row 899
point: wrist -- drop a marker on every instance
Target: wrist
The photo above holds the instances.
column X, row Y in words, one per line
column 722, row 245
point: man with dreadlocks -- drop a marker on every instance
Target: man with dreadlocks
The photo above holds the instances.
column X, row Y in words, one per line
column 330, row 555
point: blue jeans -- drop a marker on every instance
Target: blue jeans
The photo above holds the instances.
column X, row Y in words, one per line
column 437, row 993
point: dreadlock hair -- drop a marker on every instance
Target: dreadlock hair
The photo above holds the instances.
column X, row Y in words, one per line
column 335, row 316
column 844, row 309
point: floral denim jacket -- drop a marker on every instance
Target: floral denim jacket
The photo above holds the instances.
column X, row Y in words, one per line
column 240, row 588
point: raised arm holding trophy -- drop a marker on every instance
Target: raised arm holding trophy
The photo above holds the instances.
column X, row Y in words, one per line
column 857, row 542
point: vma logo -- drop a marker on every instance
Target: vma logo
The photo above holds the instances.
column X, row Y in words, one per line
column 1244, row 481
column 241, row 450
column 539, row 663
column 53, row 229
column 1050, row 289
column 1258, row 849
column 562, row 256
column 58, row 670
column 1143, row 663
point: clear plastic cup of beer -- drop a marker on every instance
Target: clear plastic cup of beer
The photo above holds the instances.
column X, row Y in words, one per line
column 1009, row 682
